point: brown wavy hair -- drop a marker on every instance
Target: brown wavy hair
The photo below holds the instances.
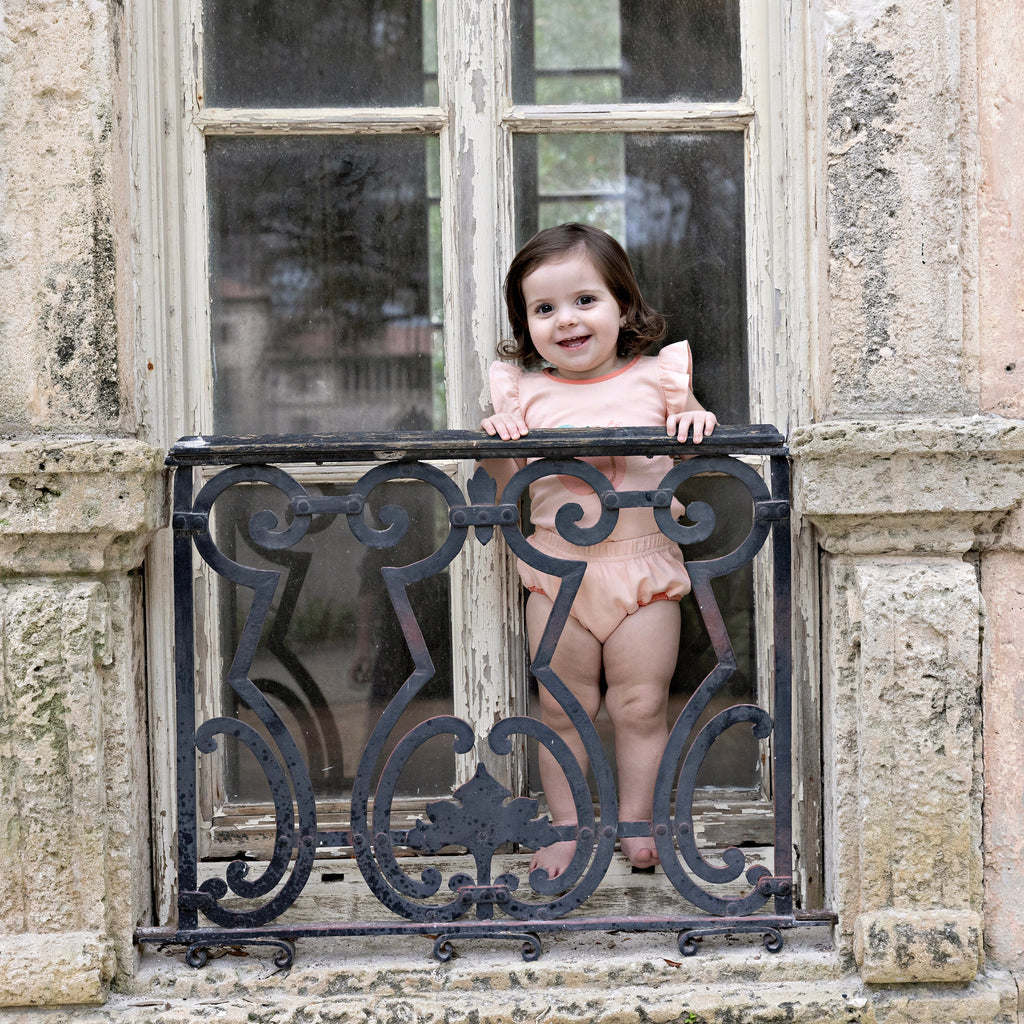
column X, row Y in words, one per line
column 642, row 325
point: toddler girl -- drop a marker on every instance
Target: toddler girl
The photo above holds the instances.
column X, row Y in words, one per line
column 575, row 305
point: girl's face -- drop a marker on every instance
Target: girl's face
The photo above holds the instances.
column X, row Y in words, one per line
column 573, row 318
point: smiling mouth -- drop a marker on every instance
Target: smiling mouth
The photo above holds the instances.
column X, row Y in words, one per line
column 575, row 342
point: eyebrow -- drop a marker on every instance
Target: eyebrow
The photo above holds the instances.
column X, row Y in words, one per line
column 590, row 289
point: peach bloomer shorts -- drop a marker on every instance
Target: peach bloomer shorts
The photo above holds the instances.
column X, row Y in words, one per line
column 621, row 576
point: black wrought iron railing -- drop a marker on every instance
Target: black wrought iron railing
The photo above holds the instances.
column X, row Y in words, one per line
column 713, row 891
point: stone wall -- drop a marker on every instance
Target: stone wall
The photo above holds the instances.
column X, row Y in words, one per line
column 901, row 512
column 909, row 473
column 63, row 258
column 919, row 520
column 893, row 172
column 79, row 500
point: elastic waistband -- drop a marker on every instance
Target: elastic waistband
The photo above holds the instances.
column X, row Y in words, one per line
column 554, row 544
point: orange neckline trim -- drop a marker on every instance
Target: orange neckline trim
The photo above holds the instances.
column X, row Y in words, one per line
column 550, row 373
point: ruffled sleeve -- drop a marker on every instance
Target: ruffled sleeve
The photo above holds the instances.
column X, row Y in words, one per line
column 505, row 378
column 675, row 370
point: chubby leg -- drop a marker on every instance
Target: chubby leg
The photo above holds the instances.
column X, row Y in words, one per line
column 577, row 662
column 639, row 659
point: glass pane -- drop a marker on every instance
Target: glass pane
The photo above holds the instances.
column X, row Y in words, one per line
column 299, row 53
column 640, row 51
column 676, row 203
column 580, row 165
column 332, row 653
column 325, row 284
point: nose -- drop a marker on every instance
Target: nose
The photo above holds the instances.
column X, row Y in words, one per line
column 567, row 315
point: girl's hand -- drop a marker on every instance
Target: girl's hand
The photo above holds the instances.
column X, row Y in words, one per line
column 506, row 425
column 703, row 423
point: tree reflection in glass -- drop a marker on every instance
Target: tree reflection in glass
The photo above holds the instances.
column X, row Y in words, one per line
column 325, row 276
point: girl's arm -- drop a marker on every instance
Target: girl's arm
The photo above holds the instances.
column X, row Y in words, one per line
column 509, row 426
column 675, row 373
column 507, row 421
column 694, row 415
column 502, row 470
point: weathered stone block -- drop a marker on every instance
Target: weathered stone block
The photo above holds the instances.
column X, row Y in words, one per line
column 902, row 736
column 893, row 185
column 41, row 970
column 74, row 856
column 919, row 719
column 87, row 505
column 52, row 840
column 63, row 329
column 915, row 485
column 1000, row 92
column 899, row 946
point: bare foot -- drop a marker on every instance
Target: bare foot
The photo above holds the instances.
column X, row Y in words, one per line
column 641, row 852
column 554, row 859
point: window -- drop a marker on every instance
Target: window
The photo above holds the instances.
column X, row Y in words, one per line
column 334, row 213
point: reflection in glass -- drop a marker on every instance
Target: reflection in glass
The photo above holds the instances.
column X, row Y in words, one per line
column 332, row 654
column 336, row 53
column 676, row 202
column 640, row 51
column 325, row 284
column 580, row 165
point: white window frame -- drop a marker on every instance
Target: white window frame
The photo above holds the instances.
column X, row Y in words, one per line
column 476, row 122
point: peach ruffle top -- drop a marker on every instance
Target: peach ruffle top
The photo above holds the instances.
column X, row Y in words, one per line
column 640, row 394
